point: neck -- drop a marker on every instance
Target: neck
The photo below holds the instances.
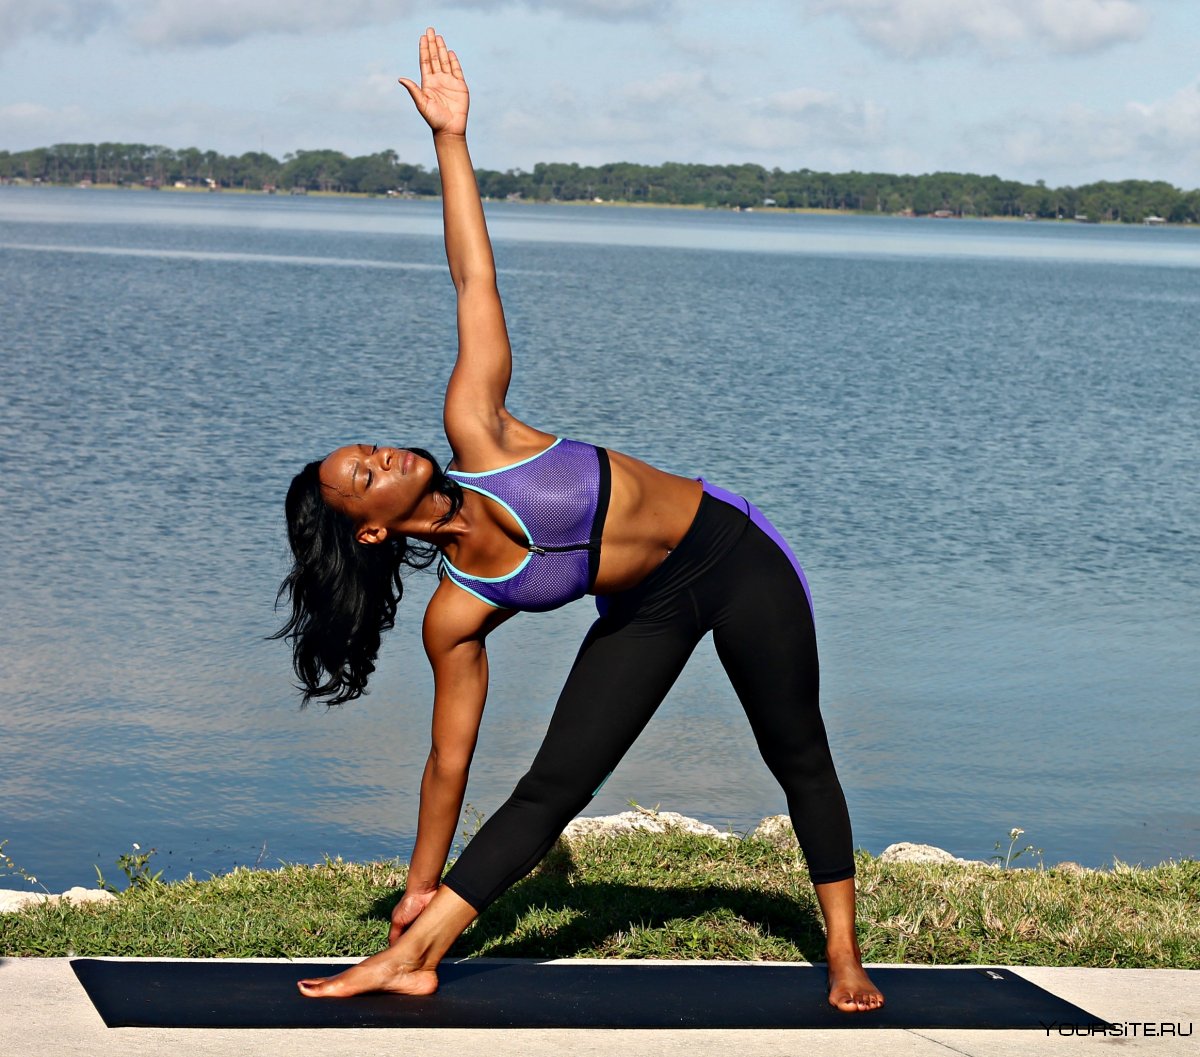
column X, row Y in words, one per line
column 428, row 527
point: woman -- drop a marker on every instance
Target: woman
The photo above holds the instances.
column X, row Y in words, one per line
column 525, row 520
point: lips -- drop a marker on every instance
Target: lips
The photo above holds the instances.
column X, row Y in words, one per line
column 406, row 463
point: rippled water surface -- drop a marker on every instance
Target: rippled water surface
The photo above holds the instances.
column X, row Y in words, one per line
column 981, row 439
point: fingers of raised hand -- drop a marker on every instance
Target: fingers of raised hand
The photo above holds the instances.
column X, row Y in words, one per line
column 436, row 57
column 442, row 54
column 425, row 53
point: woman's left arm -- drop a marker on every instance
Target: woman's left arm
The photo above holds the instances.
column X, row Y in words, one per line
column 478, row 386
column 474, row 415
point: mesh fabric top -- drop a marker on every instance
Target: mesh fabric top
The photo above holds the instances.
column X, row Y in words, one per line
column 554, row 497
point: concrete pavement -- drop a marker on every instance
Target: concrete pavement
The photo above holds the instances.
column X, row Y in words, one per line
column 44, row 1012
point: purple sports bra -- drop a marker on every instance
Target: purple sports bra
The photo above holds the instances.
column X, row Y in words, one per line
column 559, row 499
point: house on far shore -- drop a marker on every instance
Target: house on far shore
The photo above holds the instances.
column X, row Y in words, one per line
column 1153, row 221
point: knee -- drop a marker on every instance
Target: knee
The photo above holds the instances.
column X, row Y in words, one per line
column 553, row 792
column 809, row 763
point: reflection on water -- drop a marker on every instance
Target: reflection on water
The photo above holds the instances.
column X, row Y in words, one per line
column 978, row 437
column 209, row 255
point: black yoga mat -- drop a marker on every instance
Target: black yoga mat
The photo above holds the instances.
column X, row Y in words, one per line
column 527, row 994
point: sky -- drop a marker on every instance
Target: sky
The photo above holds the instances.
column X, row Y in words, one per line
column 1068, row 91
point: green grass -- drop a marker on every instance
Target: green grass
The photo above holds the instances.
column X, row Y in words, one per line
column 657, row 896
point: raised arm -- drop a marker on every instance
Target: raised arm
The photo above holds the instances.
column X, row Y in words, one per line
column 475, row 418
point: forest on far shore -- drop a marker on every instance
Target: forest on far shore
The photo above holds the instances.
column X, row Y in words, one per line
column 673, row 183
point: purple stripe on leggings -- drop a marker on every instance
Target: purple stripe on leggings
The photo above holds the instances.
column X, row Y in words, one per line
column 760, row 519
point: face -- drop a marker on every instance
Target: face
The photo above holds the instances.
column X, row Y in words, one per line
column 379, row 488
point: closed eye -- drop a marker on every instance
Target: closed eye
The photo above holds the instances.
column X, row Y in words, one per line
column 370, row 473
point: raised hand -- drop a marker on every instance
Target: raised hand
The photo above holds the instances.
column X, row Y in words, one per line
column 442, row 98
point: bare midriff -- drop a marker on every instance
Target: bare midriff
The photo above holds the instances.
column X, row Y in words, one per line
column 649, row 511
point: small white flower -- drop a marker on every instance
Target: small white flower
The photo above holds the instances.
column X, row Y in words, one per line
column 138, row 847
column 1012, row 835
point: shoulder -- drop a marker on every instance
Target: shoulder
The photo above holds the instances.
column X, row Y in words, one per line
column 455, row 617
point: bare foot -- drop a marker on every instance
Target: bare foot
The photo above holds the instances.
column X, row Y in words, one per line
column 850, row 989
column 381, row 972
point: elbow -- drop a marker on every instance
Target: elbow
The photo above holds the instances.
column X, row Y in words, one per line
column 471, row 280
column 448, row 766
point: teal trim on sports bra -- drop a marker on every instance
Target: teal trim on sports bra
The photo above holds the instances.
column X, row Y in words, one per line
column 510, row 466
column 520, row 524
column 470, row 590
column 453, row 572
column 557, row 499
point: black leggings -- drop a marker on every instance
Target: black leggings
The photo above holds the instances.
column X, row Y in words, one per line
column 728, row 576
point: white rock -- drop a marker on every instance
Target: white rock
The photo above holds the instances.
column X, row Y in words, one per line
column 776, row 830
column 906, row 852
column 640, row 819
column 88, row 895
column 12, row 900
column 1073, row 868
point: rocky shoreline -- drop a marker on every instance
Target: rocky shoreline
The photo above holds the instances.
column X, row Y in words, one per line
column 777, row 829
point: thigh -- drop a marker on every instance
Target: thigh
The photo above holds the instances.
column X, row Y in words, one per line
column 619, row 678
column 765, row 638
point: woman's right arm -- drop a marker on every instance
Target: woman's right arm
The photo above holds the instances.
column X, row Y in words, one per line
column 455, row 628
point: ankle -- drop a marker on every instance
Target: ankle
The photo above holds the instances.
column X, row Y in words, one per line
column 842, row 947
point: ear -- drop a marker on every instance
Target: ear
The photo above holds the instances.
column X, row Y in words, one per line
column 371, row 534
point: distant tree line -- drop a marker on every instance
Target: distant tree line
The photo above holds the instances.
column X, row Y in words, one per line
column 730, row 186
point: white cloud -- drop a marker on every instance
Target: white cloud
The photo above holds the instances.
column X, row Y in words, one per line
column 219, row 22
column 913, row 29
column 32, row 124
column 800, row 100
column 1155, row 140
column 566, row 123
column 222, row 22
column 373, row 95
column 672, row 89
column 25, row 125
column 69, row 19
column 812, row 128
column 692, row 116
column 605, row 9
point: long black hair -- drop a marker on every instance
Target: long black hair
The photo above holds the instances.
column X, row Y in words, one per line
column 344, row 593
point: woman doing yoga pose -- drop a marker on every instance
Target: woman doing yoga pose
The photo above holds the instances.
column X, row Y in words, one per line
column 527, row 521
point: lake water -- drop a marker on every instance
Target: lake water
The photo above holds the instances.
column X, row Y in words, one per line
column 981, row 439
